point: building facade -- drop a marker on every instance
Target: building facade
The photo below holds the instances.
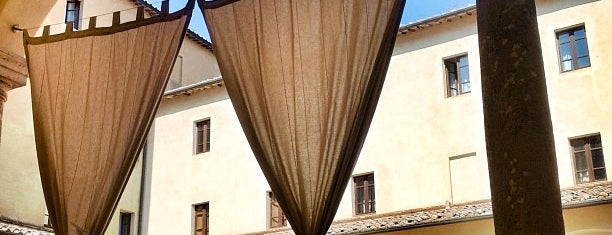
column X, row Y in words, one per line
column 424, row 160
column 423, row 167
column 22, row 205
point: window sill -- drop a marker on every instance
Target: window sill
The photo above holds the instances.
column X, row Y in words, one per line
column 364, row 214
column 574, row 71
column 200, row 154
column 460, row 95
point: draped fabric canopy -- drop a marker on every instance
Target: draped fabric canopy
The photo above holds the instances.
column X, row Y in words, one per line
column 94, row 97
column 304, row 77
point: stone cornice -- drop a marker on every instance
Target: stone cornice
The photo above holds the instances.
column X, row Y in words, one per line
column 579, row 196
column 13, row 70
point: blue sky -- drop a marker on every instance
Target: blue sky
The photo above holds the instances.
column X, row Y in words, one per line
column 415, row 10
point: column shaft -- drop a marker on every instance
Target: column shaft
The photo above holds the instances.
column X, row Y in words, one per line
column 518, row 129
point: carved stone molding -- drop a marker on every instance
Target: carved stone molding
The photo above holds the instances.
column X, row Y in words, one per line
column 13, row 71
column 13, row 74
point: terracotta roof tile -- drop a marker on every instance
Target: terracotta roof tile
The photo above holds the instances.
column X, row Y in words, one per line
column 584, row 195
column 13, row 227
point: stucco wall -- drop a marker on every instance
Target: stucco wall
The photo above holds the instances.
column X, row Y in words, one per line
column 417, row 129
column 227, row 177
column 424, row 148
column 579, row 100
column 26, row 14
column 21, row 196
column 198, row 63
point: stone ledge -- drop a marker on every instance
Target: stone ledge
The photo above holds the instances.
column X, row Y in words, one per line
column 582, row 195
column 13, row 69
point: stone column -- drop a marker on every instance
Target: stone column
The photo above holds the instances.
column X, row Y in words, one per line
column 13, row 74
column 518, row 129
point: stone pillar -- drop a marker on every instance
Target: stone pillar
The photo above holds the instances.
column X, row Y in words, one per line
column 518, row 129
column 13, row 74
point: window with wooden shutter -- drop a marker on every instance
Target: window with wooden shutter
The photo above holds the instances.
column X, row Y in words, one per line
column 365, row 200
column 573, row 49
column 589, row 164
column 73, row 11
column 201, row 219
column 457, row 75
column 277, row 217
column 125, row 223
column 202, row 136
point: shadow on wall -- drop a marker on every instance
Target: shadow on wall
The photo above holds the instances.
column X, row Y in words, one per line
column 550, row 6
column 446, row 32
column 197, row 99
column 25, row 13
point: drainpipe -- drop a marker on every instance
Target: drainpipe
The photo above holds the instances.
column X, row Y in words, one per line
column 142, row 187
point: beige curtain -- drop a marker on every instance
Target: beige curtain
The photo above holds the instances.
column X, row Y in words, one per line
column 94, row 97
column 304, row 77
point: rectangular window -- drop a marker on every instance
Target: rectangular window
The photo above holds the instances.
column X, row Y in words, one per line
column 573, row 49
column 457, row 72
column 277, row 217
column 365, row 200
column 588, row 159
column 201, row 219
column 202, row 136
column 125, row 223
column 46, row 220
column 73, row 10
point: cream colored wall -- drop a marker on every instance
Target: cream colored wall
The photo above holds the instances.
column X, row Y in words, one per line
column 25, row 13
column 579, row 100
column 21, row 196
column 227, row 177
column 416, row 128
column 198, row 63
column 590, row 220
column 130, row 201
column 415, row 133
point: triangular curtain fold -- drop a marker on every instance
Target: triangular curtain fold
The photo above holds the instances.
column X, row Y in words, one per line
column 304, row 77
column 94, row 96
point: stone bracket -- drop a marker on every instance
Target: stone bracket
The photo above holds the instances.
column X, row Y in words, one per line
column 13, row 72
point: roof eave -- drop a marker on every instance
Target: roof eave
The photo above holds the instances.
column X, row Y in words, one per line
column 436, row 20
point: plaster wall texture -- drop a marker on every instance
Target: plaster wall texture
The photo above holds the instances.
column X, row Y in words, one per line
column 21, row 197
column 227, row 177
column 25, row 14
column 424, row 148
column 580, row 99
column 198, row 63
